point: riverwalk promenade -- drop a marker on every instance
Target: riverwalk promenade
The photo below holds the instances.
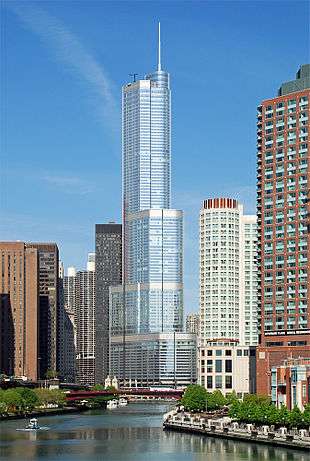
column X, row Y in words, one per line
column 226, row 428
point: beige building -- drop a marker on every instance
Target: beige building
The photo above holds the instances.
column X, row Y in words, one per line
column 226, row 366
column 19, row 301
column 192, row 323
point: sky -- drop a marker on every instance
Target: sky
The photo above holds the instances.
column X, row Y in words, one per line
column 62, row 68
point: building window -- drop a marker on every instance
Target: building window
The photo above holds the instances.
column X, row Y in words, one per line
column 218, row 366
column 218, row 352
column 228, row 352
column 239, row 352
column 228, row 382
column 218, row 381
column 209, row 353
column 228, row 366
column 209, row 382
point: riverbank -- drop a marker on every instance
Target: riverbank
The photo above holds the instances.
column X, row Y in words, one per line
column 195, row 425
column 44, row 412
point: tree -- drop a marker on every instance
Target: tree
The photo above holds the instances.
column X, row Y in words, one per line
column 13, row 400
column 57, row 397
column 283, row 416
column 231, row 397
column 98, row 387
column 51, row 374
column 306, row 415
column 194, row 398
column 29, row 398
column 295, row 417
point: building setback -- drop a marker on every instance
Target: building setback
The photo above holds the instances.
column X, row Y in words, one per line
column 150, row 301
column 108, row 244
column 283, row 226
column 85, row 325
column 48, row 306
column 19, row 304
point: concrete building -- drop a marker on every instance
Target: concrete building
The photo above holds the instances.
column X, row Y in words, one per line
column 48, row 306
column 228, row 282
column 108, row 243
column 228, row 272
column 227, row 366
column 19, row 310
column 85, row 325
column 283, row 226
column 192, row 323
column 290, row 383
column 150, row 301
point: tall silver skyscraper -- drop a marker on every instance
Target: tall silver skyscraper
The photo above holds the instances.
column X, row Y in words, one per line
column 151, row 298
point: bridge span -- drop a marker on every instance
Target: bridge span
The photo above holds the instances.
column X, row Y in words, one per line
column 130, row 393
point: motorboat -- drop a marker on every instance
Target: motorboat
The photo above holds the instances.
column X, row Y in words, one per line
column 112, row 404
column 33, row 425
column 122, row 402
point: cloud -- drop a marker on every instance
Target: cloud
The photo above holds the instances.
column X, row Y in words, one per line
column 69, row 184
column 69, row 50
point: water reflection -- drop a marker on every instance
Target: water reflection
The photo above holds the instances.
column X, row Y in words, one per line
column 131, row 434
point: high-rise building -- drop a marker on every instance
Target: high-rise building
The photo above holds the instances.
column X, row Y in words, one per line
column 85, row 325
column 108, row 273
column 48, row 306
column 19, row 310
column 192, row 323
column 228, row 282
column 66, row 333
column 151, row 298
column 70, row 324
column 283, row 181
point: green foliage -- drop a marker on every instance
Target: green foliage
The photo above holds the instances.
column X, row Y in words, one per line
column 50, row 396
column 259, row 410
column 295, row 418
column 29, row 398
column 13, row 400
column 51, row 374
column 98, row 387
column 111, row 389
column 194, row 398
column 215, row 400
column 231, row 398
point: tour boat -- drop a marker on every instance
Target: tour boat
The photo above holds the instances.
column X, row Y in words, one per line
column 34, row 426
column 112, row 404
column 122, row 402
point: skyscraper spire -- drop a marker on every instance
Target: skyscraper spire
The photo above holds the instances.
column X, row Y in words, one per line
column 159, row 50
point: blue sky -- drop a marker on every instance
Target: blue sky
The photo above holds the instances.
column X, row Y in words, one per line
column 63, row 65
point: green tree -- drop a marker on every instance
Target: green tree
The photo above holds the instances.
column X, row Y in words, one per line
column 13, row 400
column 57, row 397
column 283, row 416
column 231, row 398
column 43, row 396
column 98, row 387
column 194, row 398
column 29, row 398
column 306, row 415
column 295, row 417
column 51, row 374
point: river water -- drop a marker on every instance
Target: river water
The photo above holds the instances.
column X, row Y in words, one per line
column 131, row 433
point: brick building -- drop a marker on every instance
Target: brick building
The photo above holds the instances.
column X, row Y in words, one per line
column 283, row 226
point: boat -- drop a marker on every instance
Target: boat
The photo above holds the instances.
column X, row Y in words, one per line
column 33, row 425
column 122, row 402
column 112, row 404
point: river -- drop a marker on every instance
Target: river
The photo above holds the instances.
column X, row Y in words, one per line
column 131, row 433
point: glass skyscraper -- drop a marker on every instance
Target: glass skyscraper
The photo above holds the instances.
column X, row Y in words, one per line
column 151, row 297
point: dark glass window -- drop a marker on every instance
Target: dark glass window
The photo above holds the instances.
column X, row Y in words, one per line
column 209, row 382
column 228, row 366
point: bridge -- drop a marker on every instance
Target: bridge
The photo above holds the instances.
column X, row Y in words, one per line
column 130, row 393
